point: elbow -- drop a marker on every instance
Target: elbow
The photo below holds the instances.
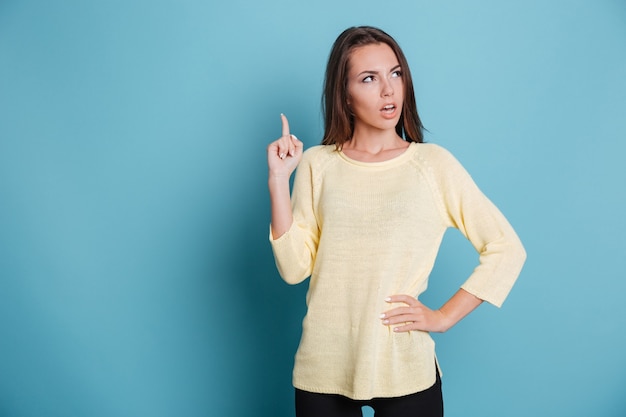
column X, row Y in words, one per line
column 294, row 281
column 294, row 264
column 293, row 278
column 517, row 256
column 521, row 252
column 293, row 273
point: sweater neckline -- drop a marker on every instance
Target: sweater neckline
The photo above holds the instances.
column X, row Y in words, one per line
column 389, row 162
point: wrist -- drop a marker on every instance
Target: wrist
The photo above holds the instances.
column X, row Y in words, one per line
column 278, row 177
column 445, row 322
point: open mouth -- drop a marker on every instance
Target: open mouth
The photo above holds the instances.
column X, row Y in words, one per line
column 389, row 108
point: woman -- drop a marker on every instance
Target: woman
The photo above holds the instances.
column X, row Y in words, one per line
column 368, row 212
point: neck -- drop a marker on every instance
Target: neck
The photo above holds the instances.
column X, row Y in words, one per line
column 374, row 140
column 374, row 145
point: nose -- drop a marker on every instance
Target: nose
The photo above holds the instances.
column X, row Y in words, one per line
column 387, row 89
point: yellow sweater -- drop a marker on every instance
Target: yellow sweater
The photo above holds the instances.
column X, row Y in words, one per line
column 364, row 231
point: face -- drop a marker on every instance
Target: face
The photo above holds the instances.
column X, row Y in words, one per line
column 375, row 87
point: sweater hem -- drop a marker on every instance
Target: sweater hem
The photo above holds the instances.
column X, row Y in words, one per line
column 364, row 397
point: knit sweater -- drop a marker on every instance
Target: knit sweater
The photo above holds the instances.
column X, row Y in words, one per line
column 367, row 230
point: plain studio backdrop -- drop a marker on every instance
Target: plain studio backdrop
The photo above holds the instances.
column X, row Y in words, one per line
column 136, row 277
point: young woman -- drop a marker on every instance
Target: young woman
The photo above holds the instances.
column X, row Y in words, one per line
column 365, row 221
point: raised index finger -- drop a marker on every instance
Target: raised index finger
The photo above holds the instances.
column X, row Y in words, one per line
column 285, row 125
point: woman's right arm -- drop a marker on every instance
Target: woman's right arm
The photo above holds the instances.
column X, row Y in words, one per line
column 283, row 156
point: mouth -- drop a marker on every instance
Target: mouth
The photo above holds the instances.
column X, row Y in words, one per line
column 389, row 111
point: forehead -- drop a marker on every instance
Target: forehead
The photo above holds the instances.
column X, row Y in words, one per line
column 376, row 56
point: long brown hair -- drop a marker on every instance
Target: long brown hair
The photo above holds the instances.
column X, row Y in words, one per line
column 338, row 120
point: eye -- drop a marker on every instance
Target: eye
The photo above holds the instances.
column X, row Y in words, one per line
column 396, row 74
column 368, row 79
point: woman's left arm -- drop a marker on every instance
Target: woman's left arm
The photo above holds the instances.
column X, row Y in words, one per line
column 501, row 254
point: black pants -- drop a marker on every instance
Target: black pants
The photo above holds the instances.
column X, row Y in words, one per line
column 428, row 403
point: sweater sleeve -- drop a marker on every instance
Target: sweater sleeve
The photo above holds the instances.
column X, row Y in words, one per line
column 295, row 250
column 501, row 253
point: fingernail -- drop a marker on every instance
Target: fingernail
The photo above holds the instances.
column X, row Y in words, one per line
column 382, row 316
column 388, row 299
column 385, row 321
column 281, row 156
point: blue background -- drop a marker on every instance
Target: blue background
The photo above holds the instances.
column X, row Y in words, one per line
column 135, row 274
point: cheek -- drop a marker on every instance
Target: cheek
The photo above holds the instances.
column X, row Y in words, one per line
column 358, row 105
column 401, row 89
column 361, row 100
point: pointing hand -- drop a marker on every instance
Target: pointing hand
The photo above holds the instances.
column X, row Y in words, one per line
column 285, row 153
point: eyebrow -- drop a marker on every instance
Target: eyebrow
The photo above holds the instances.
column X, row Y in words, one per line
column 376, row 72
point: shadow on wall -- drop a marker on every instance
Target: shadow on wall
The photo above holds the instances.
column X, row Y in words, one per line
column 262, row 312
column 269, row 312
